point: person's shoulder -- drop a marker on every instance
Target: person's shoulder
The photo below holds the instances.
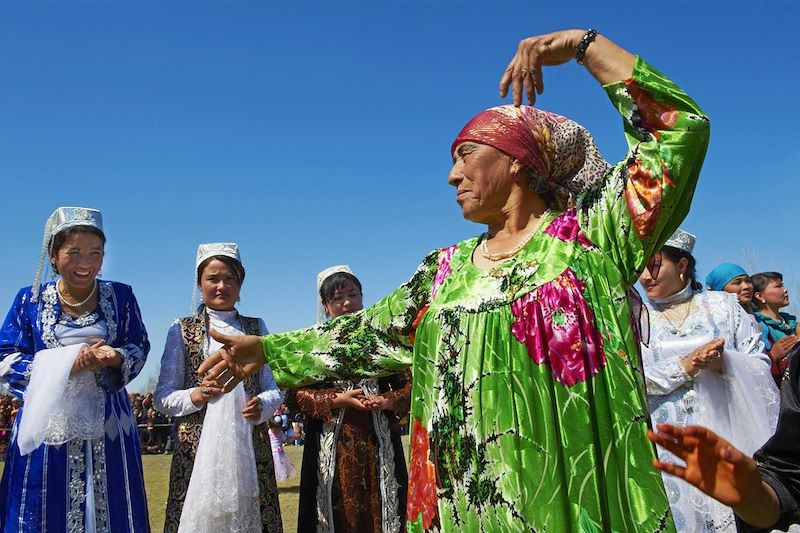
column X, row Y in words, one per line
column 718, row 297
column 116, row 286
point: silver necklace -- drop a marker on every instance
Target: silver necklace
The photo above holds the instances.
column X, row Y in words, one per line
column 499, row 256
column 79, row 304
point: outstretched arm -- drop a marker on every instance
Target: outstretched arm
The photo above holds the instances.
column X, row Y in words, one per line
column 717, row 468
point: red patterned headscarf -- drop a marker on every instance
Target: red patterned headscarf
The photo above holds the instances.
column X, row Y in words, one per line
column 556, row 149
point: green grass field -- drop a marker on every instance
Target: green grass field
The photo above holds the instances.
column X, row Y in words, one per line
column 156, row 478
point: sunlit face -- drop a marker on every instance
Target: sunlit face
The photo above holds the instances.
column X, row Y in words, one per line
column 345, row 300
column 481, row 175
column 79, row 260
column 667, row 282
column 742, row 287
column 775, row 295
column 219, row 286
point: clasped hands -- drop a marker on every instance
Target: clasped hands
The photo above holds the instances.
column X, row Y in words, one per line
column 707, row 356
column 96, row 357
column 355, row 399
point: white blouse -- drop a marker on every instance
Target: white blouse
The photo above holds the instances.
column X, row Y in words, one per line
column 173, row 399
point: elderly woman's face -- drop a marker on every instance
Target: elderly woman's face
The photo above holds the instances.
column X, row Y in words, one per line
column 668, row 279
column 79, row 259
column 742, row 287
column 481, row 175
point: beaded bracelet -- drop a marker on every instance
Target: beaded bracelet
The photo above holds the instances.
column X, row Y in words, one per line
column 586, row 40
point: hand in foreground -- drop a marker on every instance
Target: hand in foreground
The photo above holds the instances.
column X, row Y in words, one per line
column 707, row 356
column 525, row 68
column 353, row 399
column 239, row 357
column 252, row 411
column 781, row 347
column 717, row 468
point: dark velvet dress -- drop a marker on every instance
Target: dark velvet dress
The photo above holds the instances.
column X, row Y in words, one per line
column 354, row 475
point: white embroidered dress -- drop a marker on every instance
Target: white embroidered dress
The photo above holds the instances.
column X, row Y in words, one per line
column 223, row 493
column 740, row 404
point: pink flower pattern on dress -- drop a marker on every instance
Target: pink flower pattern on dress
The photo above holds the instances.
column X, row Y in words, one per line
column 566, row 228
column 445, row 257
column 558, row 328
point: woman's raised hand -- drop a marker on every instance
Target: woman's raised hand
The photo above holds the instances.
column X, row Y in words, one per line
column 604, row 60
column 717, row 468
column 524, row 72
column 239, row 357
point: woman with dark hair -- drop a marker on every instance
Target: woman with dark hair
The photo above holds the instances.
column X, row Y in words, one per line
column 354, row 475
column 703, row 364
column 222, row 442
column 70, row 346
column 528, row 410
column 780, row 330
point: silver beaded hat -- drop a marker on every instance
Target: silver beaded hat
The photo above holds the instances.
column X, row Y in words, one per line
column 210, row 249
column 62, row 219
column 321, row 277
column 683, row 240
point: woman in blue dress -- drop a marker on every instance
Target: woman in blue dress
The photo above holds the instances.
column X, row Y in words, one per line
column 69, row 347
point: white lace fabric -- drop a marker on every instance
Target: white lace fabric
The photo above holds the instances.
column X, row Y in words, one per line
column 60, row 407
column 223, row 492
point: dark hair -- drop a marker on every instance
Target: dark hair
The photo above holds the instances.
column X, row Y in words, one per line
column 760, row 282
column 675, row 255
column 335, row 282
column 60, row 238
column 235, row 266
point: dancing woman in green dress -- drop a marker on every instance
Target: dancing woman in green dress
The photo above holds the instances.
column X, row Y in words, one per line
column 528, row 408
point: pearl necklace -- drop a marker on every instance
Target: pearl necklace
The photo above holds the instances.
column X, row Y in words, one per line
column 499, row 256
column 79, row 304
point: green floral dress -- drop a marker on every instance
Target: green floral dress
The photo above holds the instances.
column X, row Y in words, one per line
column 528, row 405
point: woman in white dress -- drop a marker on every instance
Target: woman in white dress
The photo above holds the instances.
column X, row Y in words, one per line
column 705, row 365
column 222, row 476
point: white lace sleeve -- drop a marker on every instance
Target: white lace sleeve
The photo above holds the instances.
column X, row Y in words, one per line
column 171, row 398
column 271, row 396
column 663, row 377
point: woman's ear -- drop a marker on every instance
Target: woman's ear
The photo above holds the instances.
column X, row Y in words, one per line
column 683, row 265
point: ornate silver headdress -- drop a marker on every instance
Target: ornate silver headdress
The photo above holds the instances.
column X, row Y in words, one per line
column 682, row 240
column 321, row 277
column 211, row 249
column 62, row 218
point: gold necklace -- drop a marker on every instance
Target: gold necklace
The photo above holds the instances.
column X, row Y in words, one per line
column 79, row 304
column 499, row 256
column 676, row 328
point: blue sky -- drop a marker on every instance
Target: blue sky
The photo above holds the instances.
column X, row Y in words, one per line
column 318, row 133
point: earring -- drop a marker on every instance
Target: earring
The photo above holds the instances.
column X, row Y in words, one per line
column 516, row 177
column 682, row 276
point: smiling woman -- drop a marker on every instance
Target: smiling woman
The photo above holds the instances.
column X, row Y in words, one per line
column 70, row 347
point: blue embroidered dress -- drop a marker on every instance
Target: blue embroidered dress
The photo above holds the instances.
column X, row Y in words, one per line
column 48, row 490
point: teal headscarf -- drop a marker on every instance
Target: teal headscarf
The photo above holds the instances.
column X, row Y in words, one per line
column 722, row 274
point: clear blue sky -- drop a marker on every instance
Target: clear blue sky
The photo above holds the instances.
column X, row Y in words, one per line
column 319, row 133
